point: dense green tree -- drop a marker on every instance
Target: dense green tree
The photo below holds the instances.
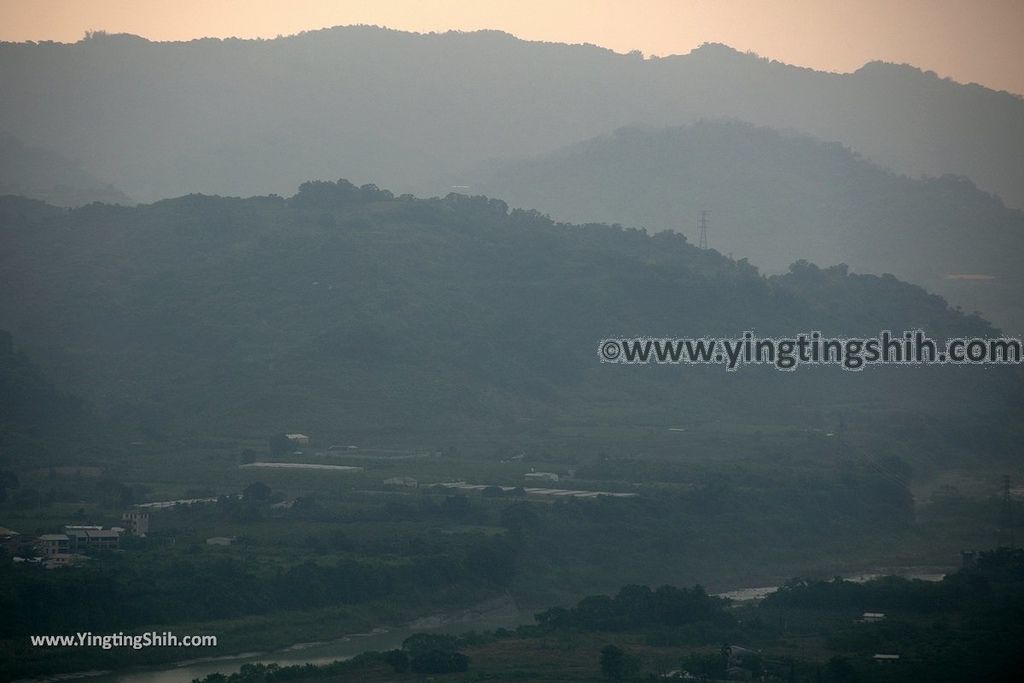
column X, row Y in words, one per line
column 256, row 492
column 617, row 665
column 279, row 445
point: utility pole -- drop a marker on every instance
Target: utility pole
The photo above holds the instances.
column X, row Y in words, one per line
column 1005, row 539
column 702, row 239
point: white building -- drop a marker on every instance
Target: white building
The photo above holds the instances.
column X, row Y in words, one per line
column 298, row 439
column 136, row 522
column 542, row 476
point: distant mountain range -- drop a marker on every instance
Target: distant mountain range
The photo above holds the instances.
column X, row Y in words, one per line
column 411, row 111
column 777, row 197
column 348, row 311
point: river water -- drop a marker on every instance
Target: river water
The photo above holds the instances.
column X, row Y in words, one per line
column 919, row 573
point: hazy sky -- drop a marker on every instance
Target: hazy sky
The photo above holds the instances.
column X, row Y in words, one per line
column 969, row 40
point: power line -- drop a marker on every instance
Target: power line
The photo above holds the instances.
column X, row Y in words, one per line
column 702, row 240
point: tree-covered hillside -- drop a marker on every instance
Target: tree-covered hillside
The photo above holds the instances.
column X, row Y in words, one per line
column 346, row 310
column 39, row 424
column 43, row 174
column 777, row 197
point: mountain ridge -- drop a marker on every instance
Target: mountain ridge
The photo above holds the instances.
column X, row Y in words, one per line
column 406, row 109
column 352, row 310
column 778, row 196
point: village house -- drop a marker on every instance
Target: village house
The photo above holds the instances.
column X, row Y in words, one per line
column 93, row 538
column 51, row 545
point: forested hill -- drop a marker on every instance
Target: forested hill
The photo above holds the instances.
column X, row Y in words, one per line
column 775, row 197
column 39, row 424
column 245, row 117
column 348, row 310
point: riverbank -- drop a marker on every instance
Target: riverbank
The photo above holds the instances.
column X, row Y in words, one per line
column 318, row 636
column 496, row 612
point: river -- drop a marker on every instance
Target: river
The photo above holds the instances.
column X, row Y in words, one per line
column 919, row 573
column 487, row 616
column 493, row 614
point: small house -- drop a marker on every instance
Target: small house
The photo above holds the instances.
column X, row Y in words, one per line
column 51, row 545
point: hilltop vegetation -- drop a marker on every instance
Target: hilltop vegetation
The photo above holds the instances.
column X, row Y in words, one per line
column 349, row 311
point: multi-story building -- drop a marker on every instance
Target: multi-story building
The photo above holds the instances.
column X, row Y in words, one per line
column 136, row 522
column 92, row 538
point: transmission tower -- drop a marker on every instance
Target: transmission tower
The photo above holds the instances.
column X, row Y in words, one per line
column 1006, row 518
column 702, row 239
